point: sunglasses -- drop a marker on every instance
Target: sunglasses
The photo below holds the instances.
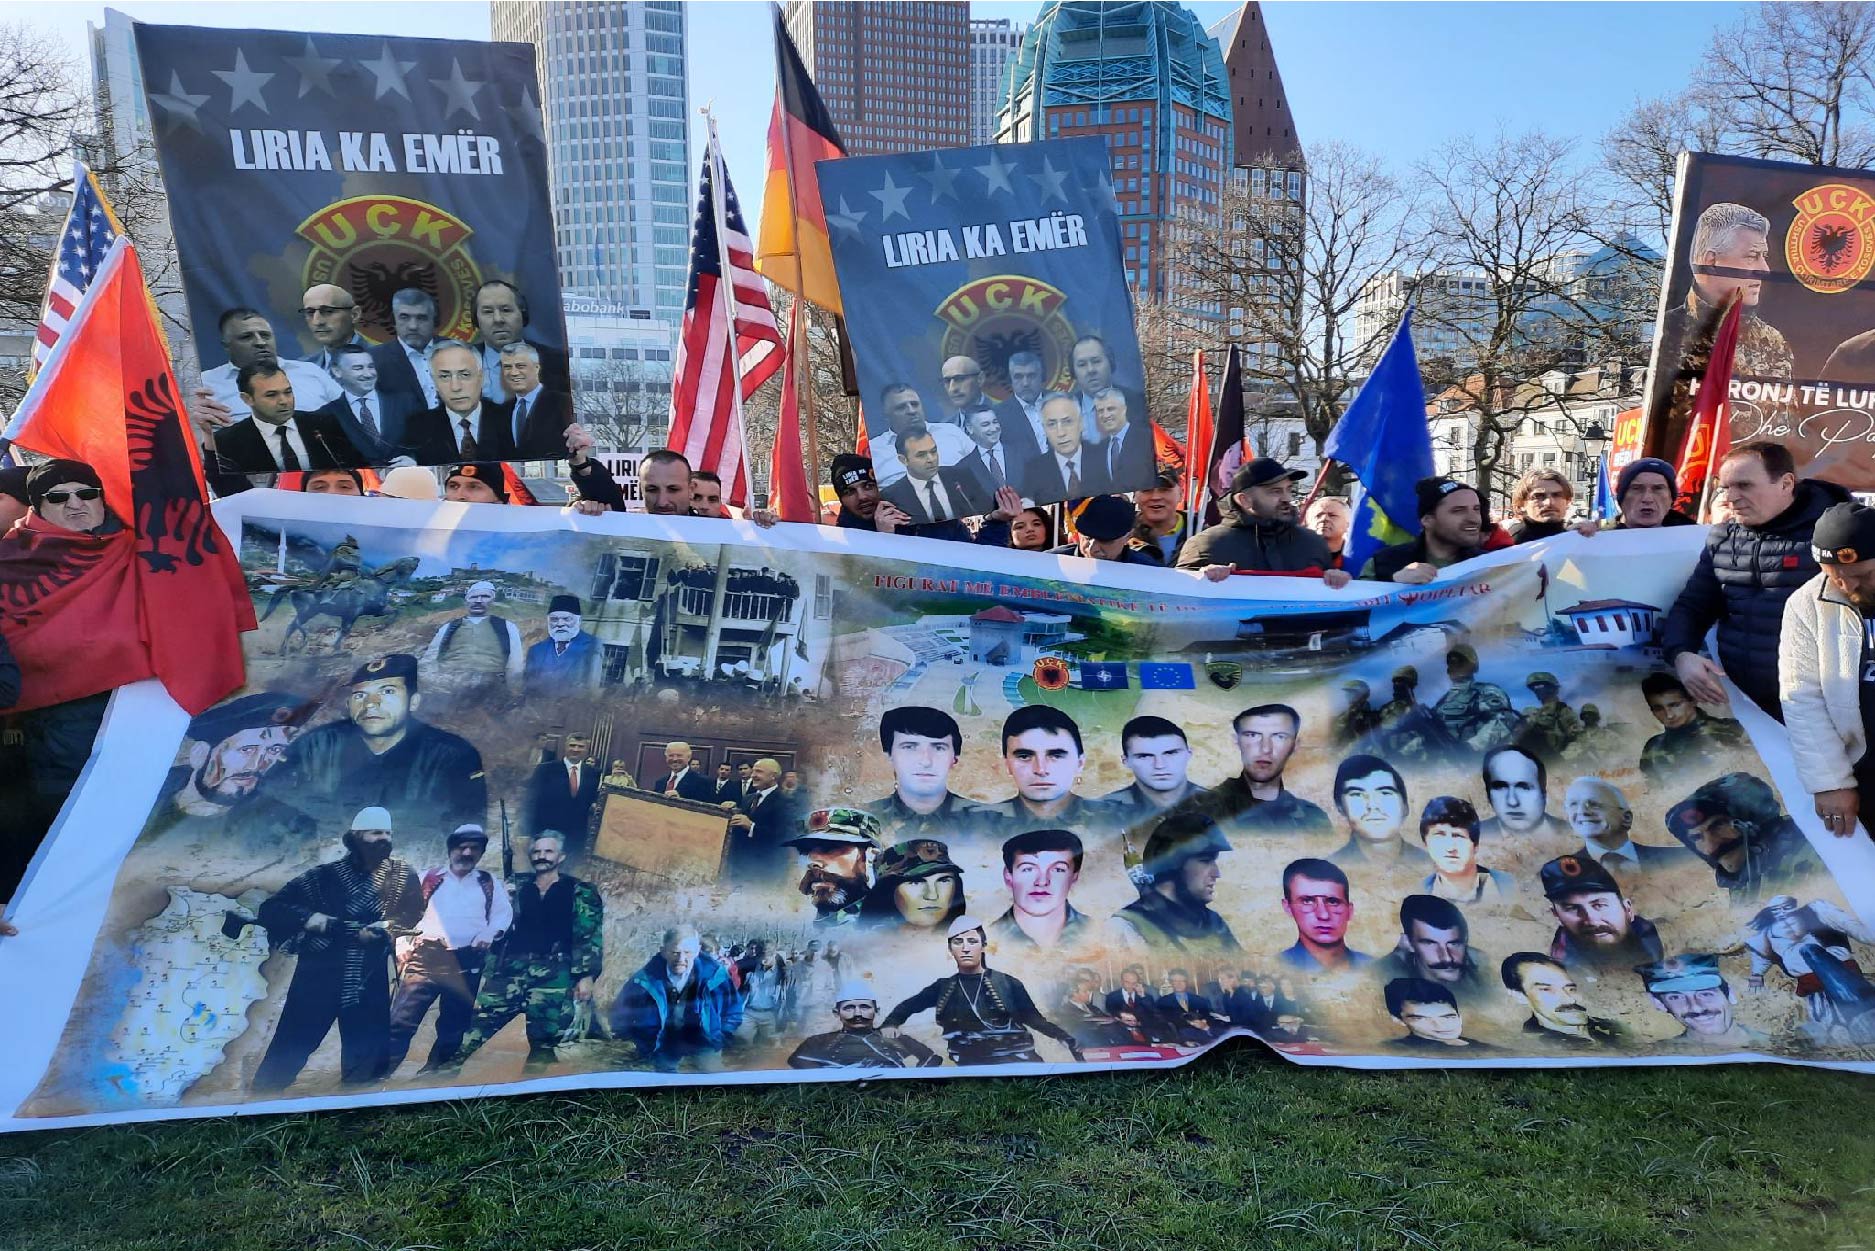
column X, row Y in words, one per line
column 83, row 493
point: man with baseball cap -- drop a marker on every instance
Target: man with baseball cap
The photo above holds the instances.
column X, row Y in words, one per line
column 1261, row 533
column 1826, row 669
column 838, row 845
column 1161, row 514
column 339, row 918
column 1105, row 527
column 986, row 1016
column 859, row 1043
column 1451, row 529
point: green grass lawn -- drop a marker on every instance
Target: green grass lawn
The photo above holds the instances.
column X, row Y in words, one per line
column 1236, row 1150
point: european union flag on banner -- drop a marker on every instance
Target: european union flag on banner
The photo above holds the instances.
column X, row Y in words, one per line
column 1162, row 676
column 1383, row 438
column 1604, row 493
column 1103, row 675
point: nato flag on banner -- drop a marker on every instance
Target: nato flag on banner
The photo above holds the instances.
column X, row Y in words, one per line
column 1103, row 675
column 1159, row 676
column 1384, row 439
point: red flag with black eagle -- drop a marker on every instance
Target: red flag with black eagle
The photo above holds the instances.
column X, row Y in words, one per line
column 163, row 596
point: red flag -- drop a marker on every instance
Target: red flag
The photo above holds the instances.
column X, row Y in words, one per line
column 862, row 446
column 1166, row 452
column 788, row 493
column 1710, row 432
column 1199, row 431
column 189, row 600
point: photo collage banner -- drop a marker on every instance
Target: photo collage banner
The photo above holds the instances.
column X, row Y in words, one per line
column 517, row 801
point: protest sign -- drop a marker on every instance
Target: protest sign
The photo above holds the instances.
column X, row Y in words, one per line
column 343, row 207
column 1474, row 822
column 987, row 280
column 1797, row 242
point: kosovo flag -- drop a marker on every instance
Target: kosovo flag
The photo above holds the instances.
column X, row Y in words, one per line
column 1103, row 675
column 1384, row 439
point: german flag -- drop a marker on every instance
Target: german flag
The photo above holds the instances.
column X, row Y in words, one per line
column 792, row 250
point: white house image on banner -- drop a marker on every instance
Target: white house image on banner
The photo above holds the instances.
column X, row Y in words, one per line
column 1614, row 622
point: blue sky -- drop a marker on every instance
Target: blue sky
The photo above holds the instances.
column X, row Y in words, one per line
column 1398, row 79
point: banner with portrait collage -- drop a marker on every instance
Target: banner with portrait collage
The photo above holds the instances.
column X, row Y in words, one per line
column 344, row 206
column 1797, row 242
column 988, row 281
column 520, row 801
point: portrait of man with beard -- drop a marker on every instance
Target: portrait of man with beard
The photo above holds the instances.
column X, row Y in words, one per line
column 1597, row 929
column 839, row 845
column 1736, row 825
column 231, row 746
column 566, row 662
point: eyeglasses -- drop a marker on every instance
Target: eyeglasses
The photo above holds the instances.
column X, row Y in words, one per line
column 83, row 493
column 324, row 310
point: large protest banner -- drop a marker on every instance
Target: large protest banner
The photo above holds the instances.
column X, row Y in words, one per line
column 345, row 205
column 1798, row 242
column 983, row 280
column 1158, row 811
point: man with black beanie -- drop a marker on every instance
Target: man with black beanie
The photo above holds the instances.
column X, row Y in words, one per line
column 1451, row 529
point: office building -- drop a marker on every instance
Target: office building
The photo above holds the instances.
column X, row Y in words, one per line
column 895, row 77
column 993, row 45
column 1146, row 78
column 617, row 114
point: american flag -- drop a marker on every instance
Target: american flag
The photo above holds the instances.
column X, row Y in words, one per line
column 90, row 229
column 706, row 408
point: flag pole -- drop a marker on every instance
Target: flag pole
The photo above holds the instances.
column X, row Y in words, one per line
column 726, row 290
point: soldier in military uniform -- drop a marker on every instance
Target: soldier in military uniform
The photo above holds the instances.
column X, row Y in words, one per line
column 1558, row 1016
column 1736, row 825
column 1552, row 725
column 1597, row 928
column 341, row 566
column 1477, row 714
column 859, row 1043
column 340, row 918
column 380, row 754
column 1408, row 731
column 1359, row 718
column 1690, row 989
column 839, row 845
column 1173, row 911
column 1727, row 237
column 923, row 746
column 1599, row 746
column 545, row 966
column 987, row 1017
column 1689, row 738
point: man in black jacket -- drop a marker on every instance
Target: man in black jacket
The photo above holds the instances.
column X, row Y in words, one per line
column 562, row 793
column 276, row 436
column 1750, row 566
column 1541, row 501
column 1264, row 535
column 1451, row 527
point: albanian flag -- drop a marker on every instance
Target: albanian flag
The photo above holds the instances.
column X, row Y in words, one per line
column 164, row 596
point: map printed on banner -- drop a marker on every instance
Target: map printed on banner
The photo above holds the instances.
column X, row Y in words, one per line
column 514, row 799
column 984, row 288
column 345, row 207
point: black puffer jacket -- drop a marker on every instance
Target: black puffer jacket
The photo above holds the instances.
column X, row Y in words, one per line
column 1743, row 577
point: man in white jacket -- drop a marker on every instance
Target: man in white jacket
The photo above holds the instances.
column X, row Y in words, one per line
column 1826, row 669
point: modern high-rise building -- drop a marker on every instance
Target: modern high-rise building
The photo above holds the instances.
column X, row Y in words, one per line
column 895, row 77
column 1262, row 131
column 993, row 44
column 122, row 115
column 1146, row 77
column 617, row 112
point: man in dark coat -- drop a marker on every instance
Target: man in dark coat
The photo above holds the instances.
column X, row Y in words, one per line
column 1451, row 529
column 1750, row 566
column 764, row 818
column 682, row 779
column 275, row 436
column 566, row 662
column 986, row 1016
column 340, row 918
column 1263, row 535
column 858, row 1043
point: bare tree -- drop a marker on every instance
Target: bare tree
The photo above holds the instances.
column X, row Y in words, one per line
column 1290, row 273
column 1790, row 82
column 1521, row 292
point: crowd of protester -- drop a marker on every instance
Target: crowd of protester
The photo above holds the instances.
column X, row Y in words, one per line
column 1781, row 577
